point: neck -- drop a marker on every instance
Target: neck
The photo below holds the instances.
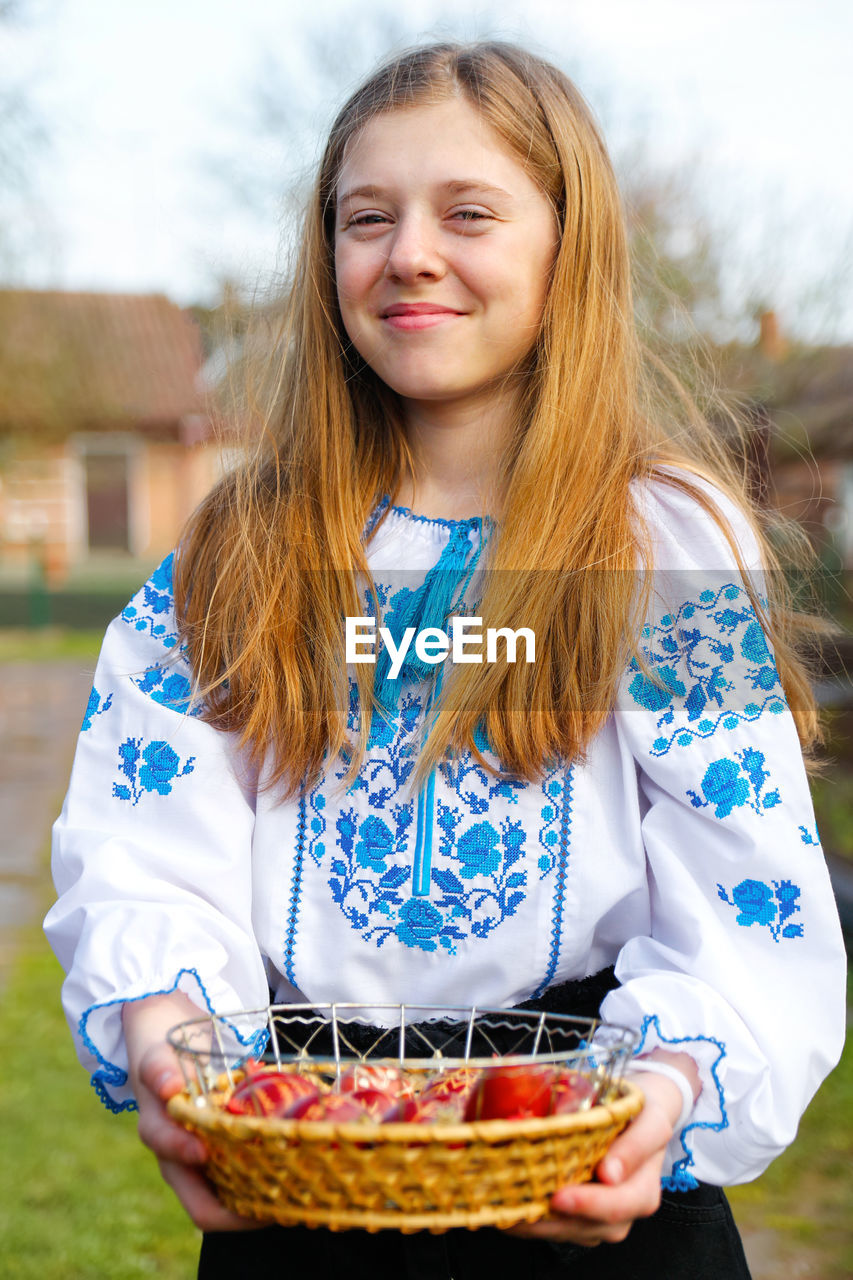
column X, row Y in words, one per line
column 457, row 455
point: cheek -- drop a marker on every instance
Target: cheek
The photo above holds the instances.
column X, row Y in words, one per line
column 537, row 296
column 345, row 284
column 351, row 288
column 351, row 276
column 521, row 301
column 518, row 283
column 537, row 259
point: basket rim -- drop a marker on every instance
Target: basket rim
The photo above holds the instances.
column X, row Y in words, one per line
column 469, row 1011
column 533, row 1021
column 203, row 1115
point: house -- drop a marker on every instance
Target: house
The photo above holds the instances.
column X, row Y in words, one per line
column 105, row 442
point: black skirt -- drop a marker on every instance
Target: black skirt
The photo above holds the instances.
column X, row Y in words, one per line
column 692, row 1236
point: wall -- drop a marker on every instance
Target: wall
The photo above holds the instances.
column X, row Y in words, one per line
column 44, row 509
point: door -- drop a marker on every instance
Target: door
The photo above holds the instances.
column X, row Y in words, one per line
column 107, row 501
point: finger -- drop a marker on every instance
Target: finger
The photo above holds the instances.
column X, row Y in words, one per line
column 645, row 1138
column 603, row 1205
column 573, row 1231
column 159, row 1072
column 197, row 1198
column 168, row 1140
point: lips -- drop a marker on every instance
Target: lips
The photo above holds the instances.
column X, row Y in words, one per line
column 417, row 309
column 417, row 315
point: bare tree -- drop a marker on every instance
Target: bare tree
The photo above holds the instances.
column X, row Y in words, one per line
column 294, row 96
column 23, row 137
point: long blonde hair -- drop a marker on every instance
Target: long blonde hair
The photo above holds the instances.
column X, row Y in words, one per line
column 266, row 571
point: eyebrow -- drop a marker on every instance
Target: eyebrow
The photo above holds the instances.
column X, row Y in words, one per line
column 458, row 187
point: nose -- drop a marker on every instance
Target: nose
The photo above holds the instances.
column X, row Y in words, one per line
column 414, row 252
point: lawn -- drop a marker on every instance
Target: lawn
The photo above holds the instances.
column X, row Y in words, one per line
column 806, row 1196
column 48, row 644
column 80, row 1197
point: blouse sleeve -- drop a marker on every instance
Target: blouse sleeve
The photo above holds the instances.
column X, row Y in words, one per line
column 152, row 850
column 744, row 967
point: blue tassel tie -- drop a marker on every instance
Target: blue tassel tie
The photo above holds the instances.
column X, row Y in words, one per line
column 430, row 605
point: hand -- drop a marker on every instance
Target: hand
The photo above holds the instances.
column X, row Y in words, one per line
column 628, row 1178
column 156, row 1077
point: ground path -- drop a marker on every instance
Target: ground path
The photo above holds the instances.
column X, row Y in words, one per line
column 41, row 709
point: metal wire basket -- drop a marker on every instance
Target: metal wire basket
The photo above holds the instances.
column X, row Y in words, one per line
column 400, row 1175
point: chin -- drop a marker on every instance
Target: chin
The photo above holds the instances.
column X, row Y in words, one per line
column 432, row 394
column 421, row 386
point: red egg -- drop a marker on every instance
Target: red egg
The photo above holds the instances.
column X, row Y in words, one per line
column 404, row 1111
column 388, row 1078
column 511, row 1093
column 572, row 1092
column 456, row 1084
column 377, row 1101
column 270, row 1093
column 340, row 1108
column 423, row 1110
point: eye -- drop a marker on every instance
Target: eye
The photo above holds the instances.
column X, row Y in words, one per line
column 471, row 215
column 371, row 219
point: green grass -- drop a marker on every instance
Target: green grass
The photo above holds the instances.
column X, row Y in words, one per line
column 832, row 790
column 833, row 802
column 806, row 1196
column 80, row 1197
column 50, row 644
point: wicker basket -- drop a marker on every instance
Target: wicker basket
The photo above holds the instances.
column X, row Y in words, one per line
column 410, row 1177
column 407, row 1176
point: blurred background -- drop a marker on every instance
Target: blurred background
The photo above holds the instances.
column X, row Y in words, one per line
column 153, row 160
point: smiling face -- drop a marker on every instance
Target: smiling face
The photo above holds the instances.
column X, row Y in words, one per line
column 443, row 251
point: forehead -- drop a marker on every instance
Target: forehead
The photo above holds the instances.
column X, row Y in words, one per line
column 430, row 145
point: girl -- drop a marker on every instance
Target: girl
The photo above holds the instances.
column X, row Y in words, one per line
column 456, row 422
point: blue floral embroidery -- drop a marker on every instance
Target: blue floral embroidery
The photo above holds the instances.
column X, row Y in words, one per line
column 552, row 812
column 94, row 707
column 151, row 607
column 427, row 871
column 478, row 851
column 727, row 785
column 431, row 870
column 152, row 769
column 363, row 884
column 170, row 689
column 709, row 666
column 486, row 854
column 809, row 837
column 420, row 924
column 755, row 903
column 375, row 845
column 318, row 824
column 557, row 844
column 474, row 884
column 366, row 842
column 295, row 895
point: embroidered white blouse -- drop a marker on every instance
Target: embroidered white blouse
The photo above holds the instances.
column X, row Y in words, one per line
column 683, row 851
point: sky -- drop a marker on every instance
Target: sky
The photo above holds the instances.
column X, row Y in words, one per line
column 158, row 174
